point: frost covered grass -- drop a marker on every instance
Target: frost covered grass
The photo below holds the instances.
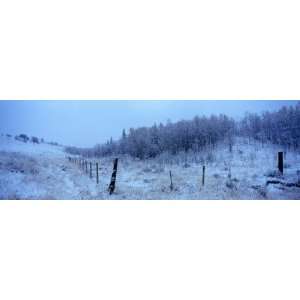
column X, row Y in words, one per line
column 240, row 174
column 30, row 171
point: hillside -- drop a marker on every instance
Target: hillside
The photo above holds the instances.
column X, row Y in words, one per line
column 42, row 171
column 38, row 171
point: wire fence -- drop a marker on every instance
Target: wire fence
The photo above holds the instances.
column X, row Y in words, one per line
column 91, row 169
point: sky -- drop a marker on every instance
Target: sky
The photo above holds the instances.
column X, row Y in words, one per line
column 85, row 123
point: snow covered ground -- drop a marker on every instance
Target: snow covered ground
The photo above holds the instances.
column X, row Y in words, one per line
column 42, row 171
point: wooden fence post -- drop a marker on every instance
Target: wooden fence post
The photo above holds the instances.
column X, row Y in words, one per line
column 91, row 170
column 112, row 185
column 86, row 167
column 171, row 185
column 280, row 162
column 97, row 175
column 203, row 175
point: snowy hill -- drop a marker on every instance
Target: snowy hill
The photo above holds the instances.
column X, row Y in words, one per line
column 42, row 171
column 38, row 171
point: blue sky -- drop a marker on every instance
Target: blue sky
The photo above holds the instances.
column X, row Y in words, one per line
column 85, row 123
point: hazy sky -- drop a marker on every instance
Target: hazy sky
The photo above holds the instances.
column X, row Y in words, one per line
column 85, row 123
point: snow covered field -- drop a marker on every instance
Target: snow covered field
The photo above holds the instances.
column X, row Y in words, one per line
column 41, row 171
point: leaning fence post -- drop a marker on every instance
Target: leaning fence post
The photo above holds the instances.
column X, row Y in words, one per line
column 91, row 170
column 171, row 185
column 97, row 175
column 280, row 162
column 203, row 175
column 111, row 187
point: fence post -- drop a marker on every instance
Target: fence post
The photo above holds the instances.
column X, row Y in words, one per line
column 111, row 187
column 91, row 170
column 203, row 175
column 97, row 175
column 280, row 162
column 86, row 167
column 171, row 185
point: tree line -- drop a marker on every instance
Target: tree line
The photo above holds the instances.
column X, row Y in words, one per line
column 25, row 138
column 280, row 127
column 183, row 136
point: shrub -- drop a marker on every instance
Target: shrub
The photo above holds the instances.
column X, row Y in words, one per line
column 22, row 137
column 35, row 140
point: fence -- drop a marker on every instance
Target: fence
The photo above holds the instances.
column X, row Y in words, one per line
column 87, row 167
column 92, row 170
column 93, row 173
